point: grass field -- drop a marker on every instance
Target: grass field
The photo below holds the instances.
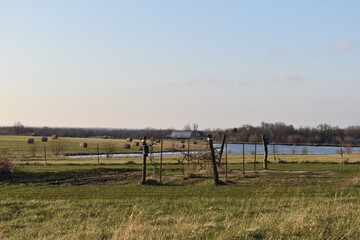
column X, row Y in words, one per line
column 19, row 146
column 65, row 200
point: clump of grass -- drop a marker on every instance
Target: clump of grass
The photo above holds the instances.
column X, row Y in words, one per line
column 129, row 226
column 279, row 160
column 7, row 166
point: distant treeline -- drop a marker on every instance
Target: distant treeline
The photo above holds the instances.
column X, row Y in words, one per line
column 278, row 132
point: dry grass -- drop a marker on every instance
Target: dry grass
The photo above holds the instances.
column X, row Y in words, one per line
column 8, row 166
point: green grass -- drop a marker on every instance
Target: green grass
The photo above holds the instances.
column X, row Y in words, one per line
column 289, row 201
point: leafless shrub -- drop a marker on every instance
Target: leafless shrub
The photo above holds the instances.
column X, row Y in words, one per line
column 7, row 166
column 109, row 148
column 304, row 150
column 32, row 150
column 57, row 146
column 348, row 149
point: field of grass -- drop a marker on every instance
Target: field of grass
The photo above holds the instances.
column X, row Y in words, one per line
column 18, row 145
column 64, row 200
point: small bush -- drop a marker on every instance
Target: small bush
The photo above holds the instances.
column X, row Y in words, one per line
column 7, row 166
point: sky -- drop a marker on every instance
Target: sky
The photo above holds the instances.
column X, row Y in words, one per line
column 164, row 64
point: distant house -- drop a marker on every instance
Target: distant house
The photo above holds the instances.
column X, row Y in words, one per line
column 186, row 134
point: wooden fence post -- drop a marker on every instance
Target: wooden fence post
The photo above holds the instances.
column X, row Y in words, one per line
column 213, row 160
column 98, row 153
column 226, row 162
column 222, row 149
column 243, row 155
column 145, row 153
column 265, row 141
column 255, row 159
column 45, row 154
column 161, row 157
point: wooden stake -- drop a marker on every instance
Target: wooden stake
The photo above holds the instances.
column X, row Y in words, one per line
column 226, row 162
column 222, row 149
column 265, row 143
column 161, row 157
column 45, row 154
column 98, row 153
column 243, row 154
column 145, row 148
column 213, row 160
column 255, row 159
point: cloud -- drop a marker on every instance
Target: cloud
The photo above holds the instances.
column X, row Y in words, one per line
column 341, row 46
column 287, row 78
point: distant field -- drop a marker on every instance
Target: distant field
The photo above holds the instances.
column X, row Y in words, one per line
column 19, row 146
column 289, row 201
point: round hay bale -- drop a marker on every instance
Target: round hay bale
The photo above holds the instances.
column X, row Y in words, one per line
column 195, row 142
column 182, row 141
column 136, row 144
column 141, row 147
column 44, row 139
column 127, row 146
column 182, row 146
column 129, row 139
column 34, row 134
column 83, row 145
column 158, row 141
column 31, row 140
column 54, row 136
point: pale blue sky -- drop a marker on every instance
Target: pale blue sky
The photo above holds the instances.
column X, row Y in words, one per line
column 136, row 64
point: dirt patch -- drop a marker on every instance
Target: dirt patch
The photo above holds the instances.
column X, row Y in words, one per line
column 79, row 177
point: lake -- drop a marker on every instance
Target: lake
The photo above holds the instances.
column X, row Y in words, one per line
column 250, row 149
column 287, row 149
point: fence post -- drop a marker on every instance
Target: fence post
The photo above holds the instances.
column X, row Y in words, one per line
column 161, row 157
column 222, row 149
column 145, row 153
column 213, row 160
column 255, row 159
column 45, row 154
column 265, row 141
column 98, row 153
column 226, row 162
column 243, row 155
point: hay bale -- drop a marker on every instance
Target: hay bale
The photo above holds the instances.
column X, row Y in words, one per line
column 195, row 142
column 141, row 147
column 158, row 141
column 31, row 140
column 279, row 160
column 54, row 136
column 182, row 141
column 136, row 144
column 34, row 134
column 129, row 139
column 127, row 146
column 44, row 139
column 182, row 146
column 83, row 145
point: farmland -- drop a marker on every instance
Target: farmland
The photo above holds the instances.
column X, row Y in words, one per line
column 308, row 197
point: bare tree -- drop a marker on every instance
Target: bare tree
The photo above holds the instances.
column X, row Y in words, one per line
column 18, row 127
column 187, row 127
column 195, row 126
